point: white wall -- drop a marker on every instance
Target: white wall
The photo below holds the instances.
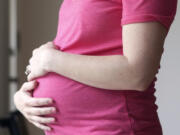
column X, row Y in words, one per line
column 168, row 83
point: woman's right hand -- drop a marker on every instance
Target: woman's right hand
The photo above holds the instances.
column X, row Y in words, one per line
column 30, row 106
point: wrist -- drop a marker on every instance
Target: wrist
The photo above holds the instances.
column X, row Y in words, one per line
column 53, row 61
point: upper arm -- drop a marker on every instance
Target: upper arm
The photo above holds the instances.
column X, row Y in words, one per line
column 145, row 24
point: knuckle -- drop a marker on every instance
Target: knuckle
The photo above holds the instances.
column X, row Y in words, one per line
column 43, row 111
column 34, row 51
column 32, row 86
column 34, row 118
column 35, row 102
column 36, row 124
column 50, row 120
column 38, row 102
column 45, row 102
column 29, row 112
column 31, row 102
column 30, row 60
column 28, row 77
column 29, row 118
column 24, row 85
column 40, row 126
column 41, row 102
column 26, row 112
column 27, row 103
column 27, row 86
column 43, row 128
column 42, row 46
column 39, row 112
column 41, row 120
column 48, row 111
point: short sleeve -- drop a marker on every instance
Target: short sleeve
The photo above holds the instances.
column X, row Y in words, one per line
column 162, row 11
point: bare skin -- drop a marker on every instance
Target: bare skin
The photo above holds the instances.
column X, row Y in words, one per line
column 29, row 106
column 134, row 70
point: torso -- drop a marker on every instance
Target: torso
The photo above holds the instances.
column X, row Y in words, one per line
column 93, row 27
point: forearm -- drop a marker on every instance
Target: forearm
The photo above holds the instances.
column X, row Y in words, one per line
column 108, row 72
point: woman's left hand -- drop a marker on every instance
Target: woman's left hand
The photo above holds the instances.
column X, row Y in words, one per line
column 40, row 60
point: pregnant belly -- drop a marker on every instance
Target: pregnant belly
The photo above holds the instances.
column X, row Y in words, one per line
column 79, row 104
column 83, row 109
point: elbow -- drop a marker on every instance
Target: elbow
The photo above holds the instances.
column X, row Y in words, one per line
column 134, row 83
column 143, row 84
column 143, row 87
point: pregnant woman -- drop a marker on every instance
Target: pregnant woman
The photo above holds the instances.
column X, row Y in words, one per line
column 98, row 75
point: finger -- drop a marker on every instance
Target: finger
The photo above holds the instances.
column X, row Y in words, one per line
column 41, row 126
column 31, row 77
column 30, row 61
column 45, row 45
column 34, row 51
column 28, row 67
column 49, row 44
column 38, row 101
column 39, row 111
column 41, row 119
column 28, row 86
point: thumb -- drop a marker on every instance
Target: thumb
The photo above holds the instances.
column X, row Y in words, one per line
column 29, row 86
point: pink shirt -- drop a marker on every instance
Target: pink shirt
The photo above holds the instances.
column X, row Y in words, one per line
column 94, row 27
